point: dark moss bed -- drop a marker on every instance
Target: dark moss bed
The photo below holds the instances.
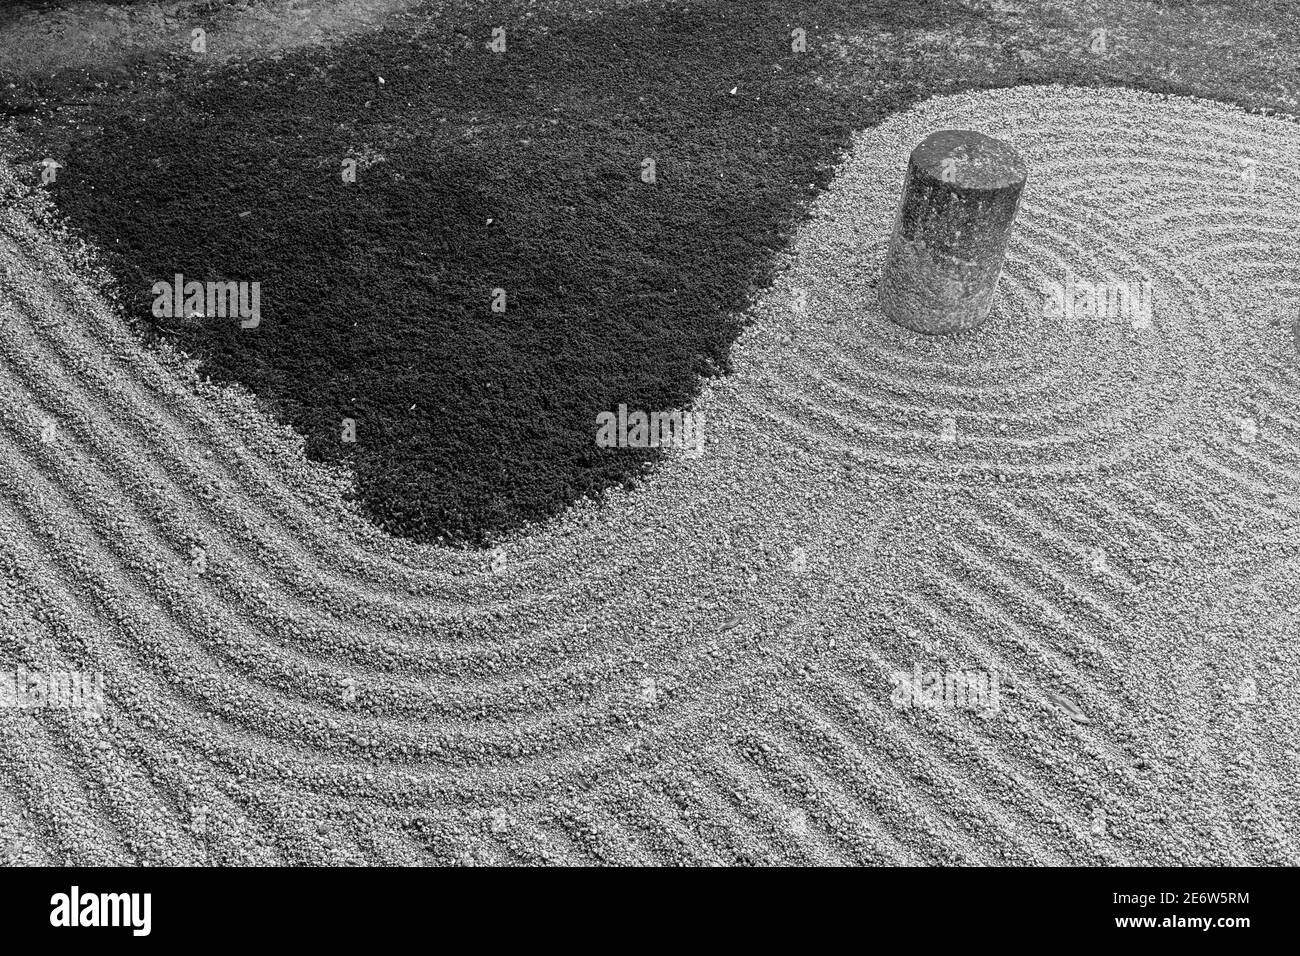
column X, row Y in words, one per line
column 522, row 171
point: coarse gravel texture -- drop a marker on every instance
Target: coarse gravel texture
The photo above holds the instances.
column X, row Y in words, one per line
column 698, row 670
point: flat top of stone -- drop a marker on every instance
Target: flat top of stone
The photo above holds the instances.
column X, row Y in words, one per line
column 972, row 160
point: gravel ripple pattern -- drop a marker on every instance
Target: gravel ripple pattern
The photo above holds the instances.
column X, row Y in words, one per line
column 1094, row 504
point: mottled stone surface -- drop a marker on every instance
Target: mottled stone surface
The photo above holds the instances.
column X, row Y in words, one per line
column 950, row 235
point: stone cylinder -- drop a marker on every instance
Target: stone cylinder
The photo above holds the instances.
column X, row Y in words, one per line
column 950, row 235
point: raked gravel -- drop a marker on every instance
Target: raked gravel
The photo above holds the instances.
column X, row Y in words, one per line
column 1097, row 509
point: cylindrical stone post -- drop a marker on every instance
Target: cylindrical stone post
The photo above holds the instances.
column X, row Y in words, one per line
column 950, row 236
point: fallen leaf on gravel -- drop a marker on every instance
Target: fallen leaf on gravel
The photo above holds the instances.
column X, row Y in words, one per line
column 1067, row 707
